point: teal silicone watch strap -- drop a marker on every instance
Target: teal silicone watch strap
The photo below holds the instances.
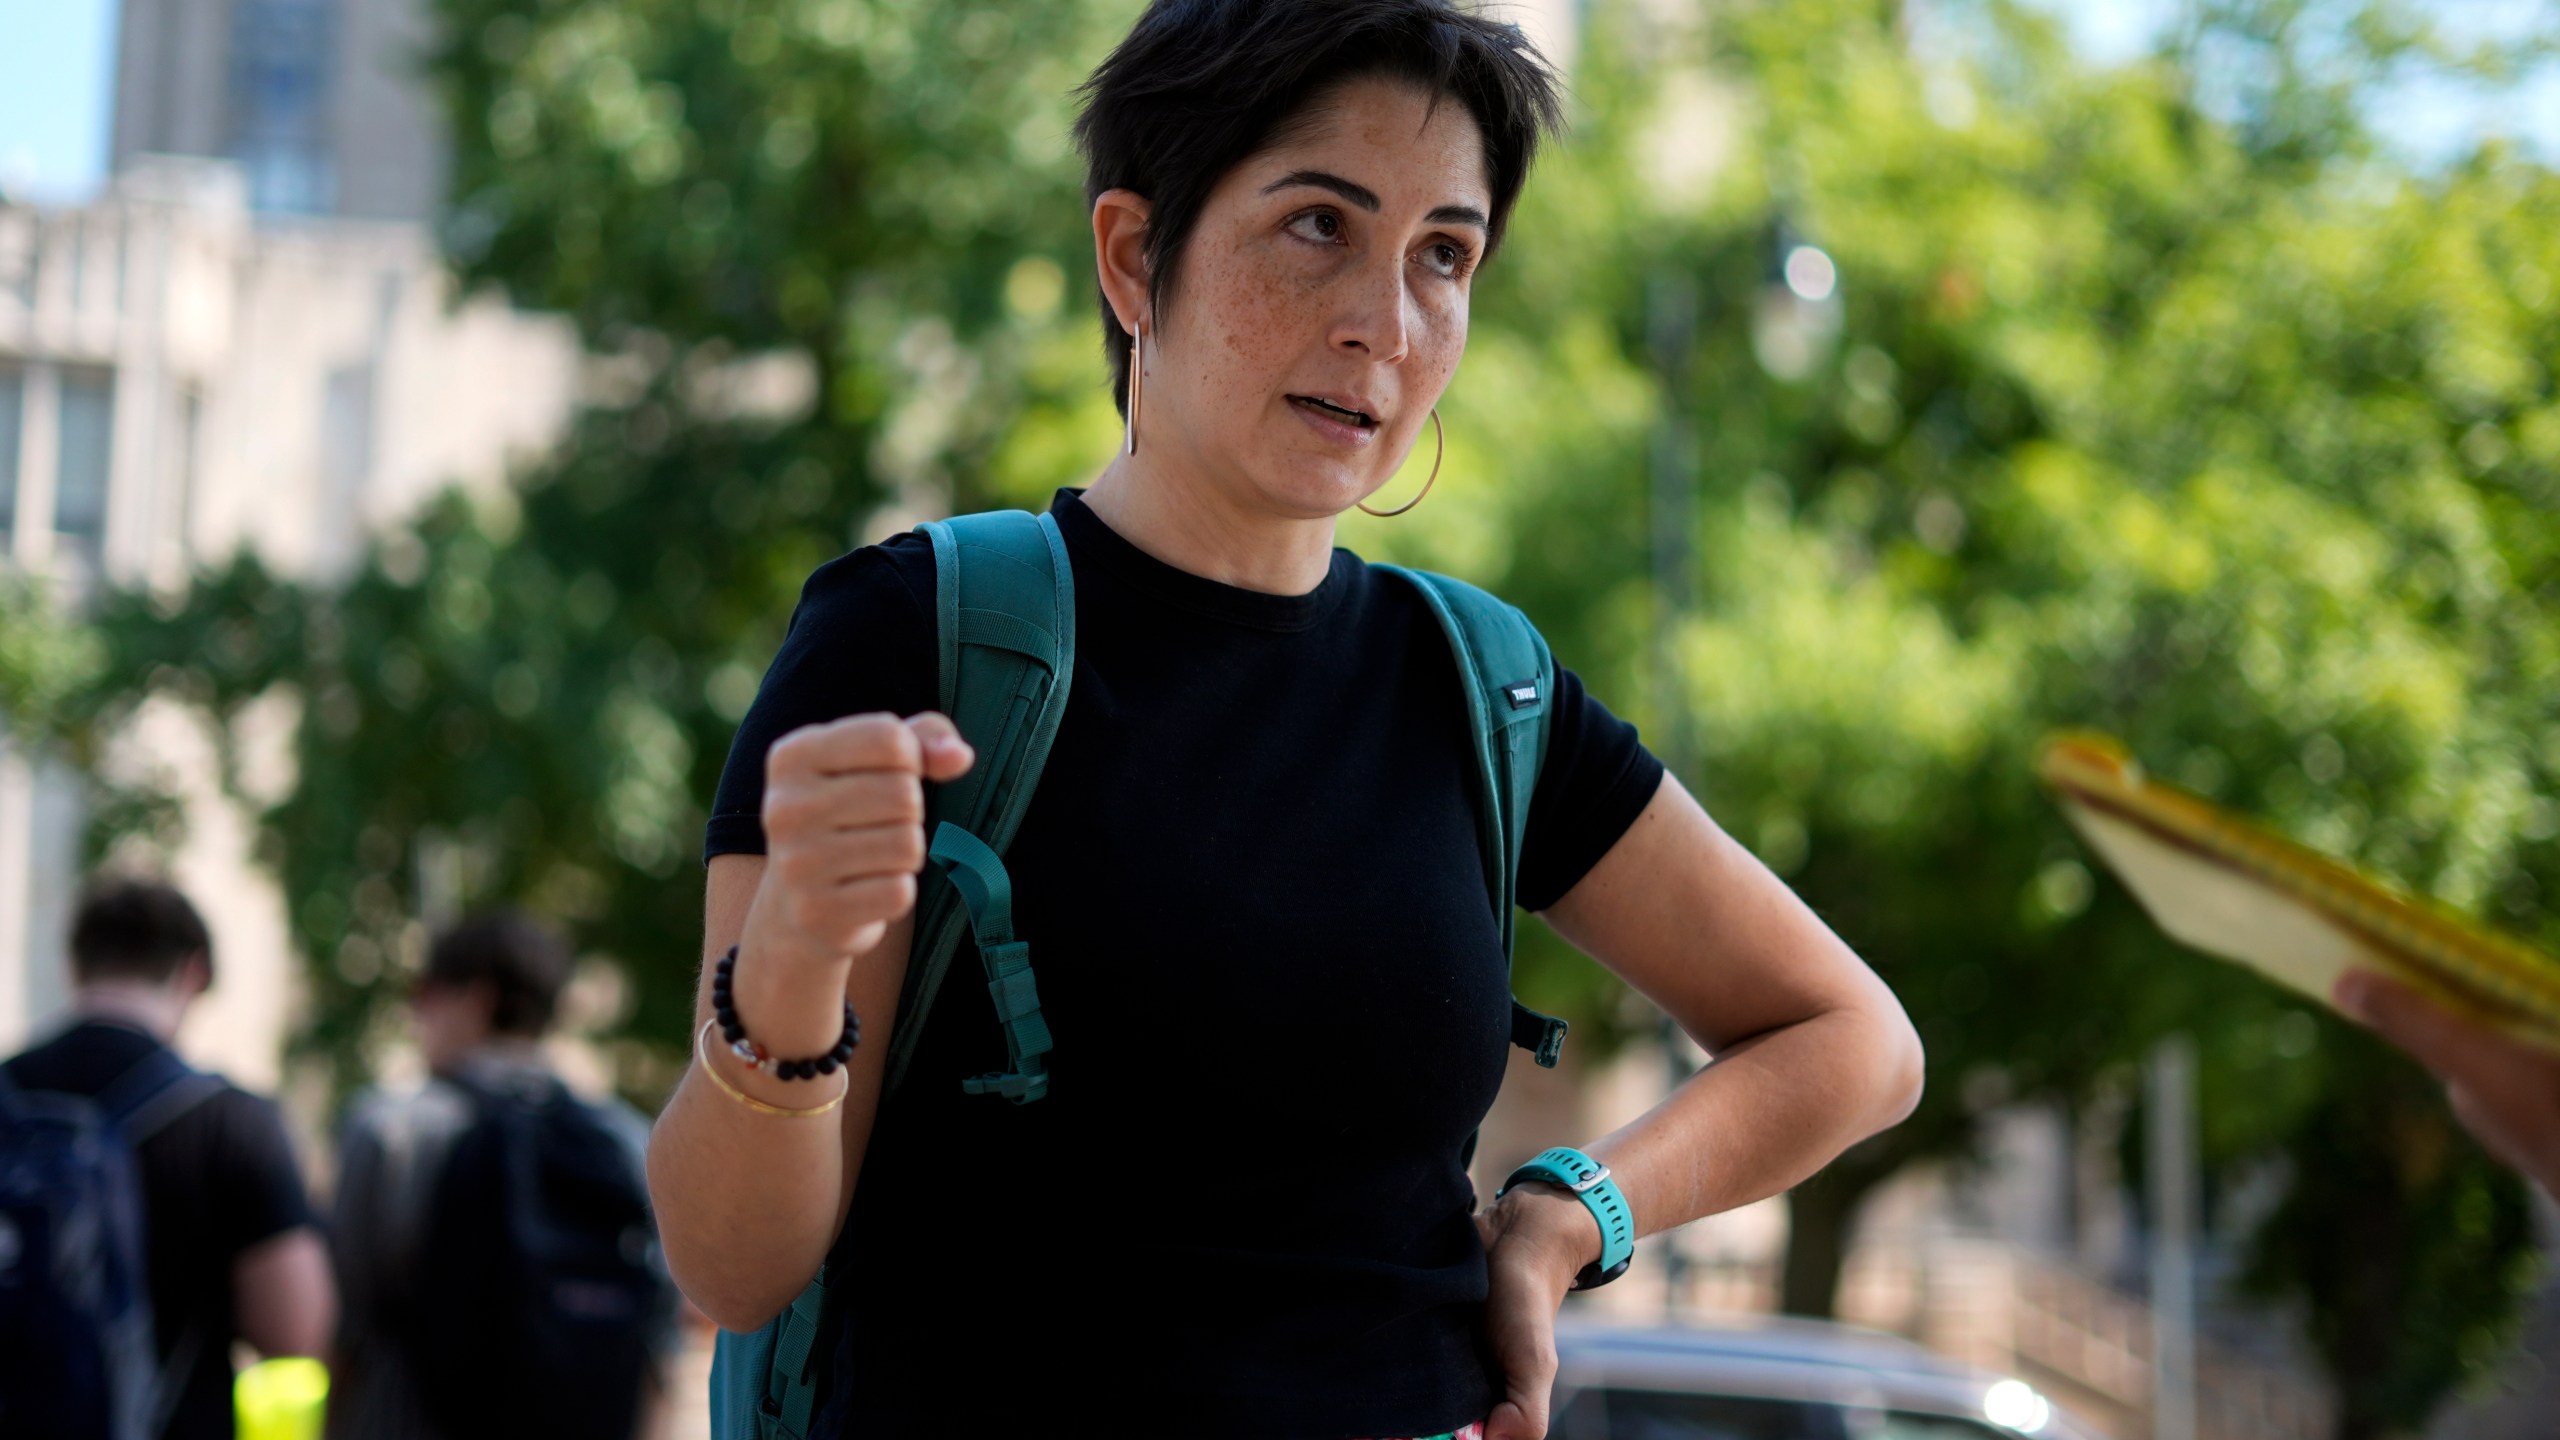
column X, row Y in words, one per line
column 1588, row 1181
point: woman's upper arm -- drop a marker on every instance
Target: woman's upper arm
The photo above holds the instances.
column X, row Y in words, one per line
column 728, row 891
column 1691, row 919
column 860, row 640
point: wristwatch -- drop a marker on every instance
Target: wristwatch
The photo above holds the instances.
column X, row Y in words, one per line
column 1588, row 1181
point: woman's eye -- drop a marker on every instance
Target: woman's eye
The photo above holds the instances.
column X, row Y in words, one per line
column 1321, row 226
column 1446, row 259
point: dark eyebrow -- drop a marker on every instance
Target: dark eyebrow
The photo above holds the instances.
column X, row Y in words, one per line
column 1360, row 195
column 1367, row 199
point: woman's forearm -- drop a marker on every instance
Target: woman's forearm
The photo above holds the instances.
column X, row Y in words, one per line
column 1764, row 1115
column 1812, row 1051
column 1769, row 1111
column 748, row 1203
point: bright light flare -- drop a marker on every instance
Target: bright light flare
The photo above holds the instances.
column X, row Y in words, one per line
column 1811, row 274
column 2015, row 1404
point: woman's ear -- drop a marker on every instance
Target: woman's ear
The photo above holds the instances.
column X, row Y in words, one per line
column 1120, row 254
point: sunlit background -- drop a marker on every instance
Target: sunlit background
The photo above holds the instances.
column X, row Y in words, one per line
column 417, row 416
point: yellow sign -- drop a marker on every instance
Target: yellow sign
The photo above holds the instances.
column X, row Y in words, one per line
column 281, row 1399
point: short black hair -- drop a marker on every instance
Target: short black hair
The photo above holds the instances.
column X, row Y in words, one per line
column 523, row 963
column 1199, row 86
column 127, row 927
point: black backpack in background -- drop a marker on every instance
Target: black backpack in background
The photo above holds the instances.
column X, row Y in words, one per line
column 76, row 1342
column 537, row 1295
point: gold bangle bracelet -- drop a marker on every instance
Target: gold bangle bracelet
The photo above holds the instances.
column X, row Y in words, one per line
column 702, row 1057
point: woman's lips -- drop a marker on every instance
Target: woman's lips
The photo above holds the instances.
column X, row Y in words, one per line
column 1333, row 424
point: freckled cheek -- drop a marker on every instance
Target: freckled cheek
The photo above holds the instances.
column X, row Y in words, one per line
column 1264, row 322
column 1439, row 342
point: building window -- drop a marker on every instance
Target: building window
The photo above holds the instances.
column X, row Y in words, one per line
column 75, row 238
column 19, row 242
column 280, row 51
column 346, row 454
column 190, row 464
column 13, row 403
column 80, row 484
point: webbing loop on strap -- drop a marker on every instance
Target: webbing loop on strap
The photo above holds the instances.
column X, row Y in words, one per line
column 1016, row 994
column 986, row 891
column 998, row 630
column 985, row 888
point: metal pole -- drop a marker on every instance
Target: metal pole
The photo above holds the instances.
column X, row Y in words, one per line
column 2170, row 1135
column 1670, row 318
column 1671, row 306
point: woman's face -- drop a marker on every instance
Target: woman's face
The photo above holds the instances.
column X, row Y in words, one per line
column 1322, row 304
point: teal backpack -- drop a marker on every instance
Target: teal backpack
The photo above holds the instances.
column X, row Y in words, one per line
column 1004, row 601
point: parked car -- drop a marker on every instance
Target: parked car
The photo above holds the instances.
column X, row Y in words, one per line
column 1779, row 1379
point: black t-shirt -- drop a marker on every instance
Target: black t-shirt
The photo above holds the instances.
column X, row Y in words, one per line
column 1251, row 884
column 216, row 1181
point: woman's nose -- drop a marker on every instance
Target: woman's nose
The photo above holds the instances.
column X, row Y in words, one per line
column 1376, row 317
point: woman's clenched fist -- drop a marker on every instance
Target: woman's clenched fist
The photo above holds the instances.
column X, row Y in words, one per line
column 844, row 831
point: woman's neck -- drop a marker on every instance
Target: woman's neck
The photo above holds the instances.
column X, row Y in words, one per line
column 1193, row 527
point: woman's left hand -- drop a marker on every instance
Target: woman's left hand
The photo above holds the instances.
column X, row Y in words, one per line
column 1536, row 1239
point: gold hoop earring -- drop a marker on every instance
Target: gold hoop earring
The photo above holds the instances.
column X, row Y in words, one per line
column 1137, row 386
column 1437, row 454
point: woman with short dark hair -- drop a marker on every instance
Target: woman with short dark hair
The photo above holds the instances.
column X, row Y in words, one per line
column 1254, row 872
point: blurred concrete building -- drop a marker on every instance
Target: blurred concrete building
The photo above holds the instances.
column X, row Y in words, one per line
column 317, row 101
column 248, row 343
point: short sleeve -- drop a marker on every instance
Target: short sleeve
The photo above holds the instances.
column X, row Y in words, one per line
column 861, row 641
column 257, row 1189
column 1596, row 780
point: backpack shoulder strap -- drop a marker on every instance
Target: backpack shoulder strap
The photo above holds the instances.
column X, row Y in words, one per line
column 1004, row 602
column 1507, row 672
column 155, row 1090
column 764, row 1383
column 136, row 1105
column 1004, row 623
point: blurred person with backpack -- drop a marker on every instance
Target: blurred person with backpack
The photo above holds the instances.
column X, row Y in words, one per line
column 1110, row 910
column 151, row 1215
column 492, row 1231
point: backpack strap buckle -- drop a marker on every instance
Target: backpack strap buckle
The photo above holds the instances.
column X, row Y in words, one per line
column 1015, row 1086
column 1540, row 1035
column 1016, row 993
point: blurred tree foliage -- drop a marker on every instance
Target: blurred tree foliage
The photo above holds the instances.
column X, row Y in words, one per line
column 2148, row 400
column 2161, row 398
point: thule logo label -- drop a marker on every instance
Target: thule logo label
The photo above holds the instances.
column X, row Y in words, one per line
column 1523, row 695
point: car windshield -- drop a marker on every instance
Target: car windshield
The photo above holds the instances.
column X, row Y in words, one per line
column 1666, row 1415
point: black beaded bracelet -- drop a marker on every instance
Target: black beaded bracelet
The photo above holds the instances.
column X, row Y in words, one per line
column 724, row 1013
